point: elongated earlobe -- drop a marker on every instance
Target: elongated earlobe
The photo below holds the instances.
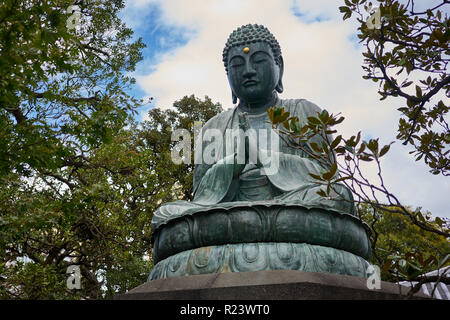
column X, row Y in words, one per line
column 279, row 88
column 234, row 97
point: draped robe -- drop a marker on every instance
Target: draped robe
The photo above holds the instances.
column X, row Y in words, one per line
column 216, row 186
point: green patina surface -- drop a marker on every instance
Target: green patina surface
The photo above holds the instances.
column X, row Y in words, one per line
column 263, row 223
column 245, row 257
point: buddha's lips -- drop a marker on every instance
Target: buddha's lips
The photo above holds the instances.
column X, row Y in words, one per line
column 249, row 83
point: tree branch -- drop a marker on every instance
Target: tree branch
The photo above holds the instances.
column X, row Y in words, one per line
column 424, row 12
column 18, row 114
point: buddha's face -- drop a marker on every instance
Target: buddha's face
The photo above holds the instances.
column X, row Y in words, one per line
column 252, row 72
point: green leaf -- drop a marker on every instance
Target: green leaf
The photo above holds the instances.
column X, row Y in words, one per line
column 284, row 117
column 315, row 147
column 347, row 15
column 295, row 125
column 327, row 176
column 407, row 84
column 340, row 120
column 384, row 150
column 418, row 92
column 336, row 142
column 342, row 179
column 313, row 120
column 373, row 146
column 358, row 138
column 315, row 176
column 277, row 115
column 365, row 157
column 362, row 148
column 333, row 169
column 270, row 112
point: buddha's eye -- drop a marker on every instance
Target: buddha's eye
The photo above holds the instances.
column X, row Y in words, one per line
column 259, row 57
column 236, row 62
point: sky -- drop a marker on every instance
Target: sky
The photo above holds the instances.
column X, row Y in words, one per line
column 322, row 59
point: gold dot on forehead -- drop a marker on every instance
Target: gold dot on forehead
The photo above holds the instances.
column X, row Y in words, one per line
column 246, row 49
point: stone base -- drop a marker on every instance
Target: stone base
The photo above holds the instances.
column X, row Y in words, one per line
column 266, row 285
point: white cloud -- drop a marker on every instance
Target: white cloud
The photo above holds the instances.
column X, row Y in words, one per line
column 322, row 64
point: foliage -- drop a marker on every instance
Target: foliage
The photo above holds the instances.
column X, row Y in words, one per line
column 65, row 189
column 78, row 180
column 406, row 243
column 101, row 222
column 341, row 159
column 409, row 49
column 413, row 48
column 404, row 250
column 158, row 138
column 101, row 218
column 62, row 91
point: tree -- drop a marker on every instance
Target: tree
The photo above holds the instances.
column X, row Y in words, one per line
column 404, row 250
column 408, row 47
column 62, row 91
column 158, row 138
column 404, row 45
column 63, row 101
column 103, row 222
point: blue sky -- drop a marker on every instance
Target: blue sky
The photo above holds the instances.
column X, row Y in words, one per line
column 322, row 58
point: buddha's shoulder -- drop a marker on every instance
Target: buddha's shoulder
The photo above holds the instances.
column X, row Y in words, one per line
column 300, row 106
column 219, row 119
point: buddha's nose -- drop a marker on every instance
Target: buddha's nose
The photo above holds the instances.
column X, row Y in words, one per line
column 249, row 71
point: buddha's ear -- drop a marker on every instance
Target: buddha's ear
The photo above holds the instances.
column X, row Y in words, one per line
column 279, row 87
column 234, row 97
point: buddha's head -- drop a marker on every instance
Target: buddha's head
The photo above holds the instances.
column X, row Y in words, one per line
column 254, row 65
